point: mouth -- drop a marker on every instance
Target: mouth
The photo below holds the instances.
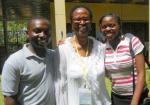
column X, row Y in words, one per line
column 42, row 42
column 108, row 35
column 83, row 29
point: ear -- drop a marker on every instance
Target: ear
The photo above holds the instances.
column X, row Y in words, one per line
column 100, row 26
column 91, row 20
column 27, row 33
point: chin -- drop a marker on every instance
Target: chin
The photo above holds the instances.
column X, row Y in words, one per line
column 42, row 46
column 109, row 38
column 83, row 33
column 39, row 47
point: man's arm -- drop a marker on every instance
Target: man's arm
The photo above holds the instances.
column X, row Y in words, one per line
column 9, row 100
column 10, row 81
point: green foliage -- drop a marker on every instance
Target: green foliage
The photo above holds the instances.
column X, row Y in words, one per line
column 148, row 79
column 16, row 35
column 1, row 25
column 108, row 86
column 16, row 25
column 1, row 35
column 1, row 99
column 1, row 39
column 1, row 96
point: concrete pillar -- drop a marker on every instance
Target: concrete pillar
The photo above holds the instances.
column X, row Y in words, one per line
column 60, row 19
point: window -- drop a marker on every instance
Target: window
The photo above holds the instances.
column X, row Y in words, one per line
column 138, row 29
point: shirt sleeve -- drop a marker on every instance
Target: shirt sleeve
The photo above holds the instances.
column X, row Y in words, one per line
column 10, row 78
column 60, row 81
column 137, row 45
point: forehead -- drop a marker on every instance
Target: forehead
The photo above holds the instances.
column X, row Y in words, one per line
column 39, row 23
column 80, row 12
column 109, row 19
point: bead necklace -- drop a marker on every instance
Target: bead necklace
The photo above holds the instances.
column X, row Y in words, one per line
column 83, row 63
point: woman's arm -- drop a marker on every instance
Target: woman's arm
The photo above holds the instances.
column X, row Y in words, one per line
column 139, row 64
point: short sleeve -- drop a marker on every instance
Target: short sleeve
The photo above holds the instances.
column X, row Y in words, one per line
column 60, row 77
column 137, row 45
column 10, row 78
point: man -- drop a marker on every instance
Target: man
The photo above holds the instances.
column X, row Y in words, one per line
column 27, row 76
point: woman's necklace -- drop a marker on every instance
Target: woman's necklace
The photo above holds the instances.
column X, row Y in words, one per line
column 83, row 62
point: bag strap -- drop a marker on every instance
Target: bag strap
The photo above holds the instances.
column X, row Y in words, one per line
column 130, row 36
column 133, row 76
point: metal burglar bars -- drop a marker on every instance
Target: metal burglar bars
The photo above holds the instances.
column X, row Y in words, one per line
column 15, row 14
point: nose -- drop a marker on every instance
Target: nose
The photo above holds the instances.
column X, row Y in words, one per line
column 41, row 34
column 108, row 28
column 82, row 21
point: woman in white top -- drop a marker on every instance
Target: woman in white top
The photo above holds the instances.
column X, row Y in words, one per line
column 80, row 75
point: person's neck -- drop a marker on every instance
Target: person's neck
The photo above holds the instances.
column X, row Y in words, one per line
column 41, row 52
column 81, row 46
column 114, row 43
column 81, row 43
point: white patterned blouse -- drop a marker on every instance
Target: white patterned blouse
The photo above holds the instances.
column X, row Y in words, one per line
column 76, row 73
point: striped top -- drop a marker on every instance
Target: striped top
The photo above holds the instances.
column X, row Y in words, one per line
column 119, row 64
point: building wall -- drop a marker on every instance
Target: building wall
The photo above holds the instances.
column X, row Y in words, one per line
column 127, row 12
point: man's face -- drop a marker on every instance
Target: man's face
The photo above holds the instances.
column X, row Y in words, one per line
column 39, row 33
column 81, row 22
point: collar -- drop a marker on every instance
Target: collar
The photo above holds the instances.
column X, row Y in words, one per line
column 29, row 54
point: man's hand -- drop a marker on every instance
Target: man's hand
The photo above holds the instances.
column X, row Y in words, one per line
column 9, row 100
column 60, row 42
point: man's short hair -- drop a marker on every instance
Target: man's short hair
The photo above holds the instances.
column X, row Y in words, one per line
column 36, row 18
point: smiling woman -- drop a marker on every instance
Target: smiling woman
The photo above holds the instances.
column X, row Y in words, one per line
column 123, row 56
column 81, row 68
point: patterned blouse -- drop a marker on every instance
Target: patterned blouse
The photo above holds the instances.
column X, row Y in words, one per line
column 119, row 64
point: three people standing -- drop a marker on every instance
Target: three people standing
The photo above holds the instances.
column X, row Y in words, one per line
column 28, row 74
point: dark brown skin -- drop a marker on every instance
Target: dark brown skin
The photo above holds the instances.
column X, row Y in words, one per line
column 140, row 78
column 81, row 25
column 111, row 29
column 9, row 100
column 38, row 34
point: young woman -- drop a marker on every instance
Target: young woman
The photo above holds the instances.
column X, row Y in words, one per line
column 123, row 54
